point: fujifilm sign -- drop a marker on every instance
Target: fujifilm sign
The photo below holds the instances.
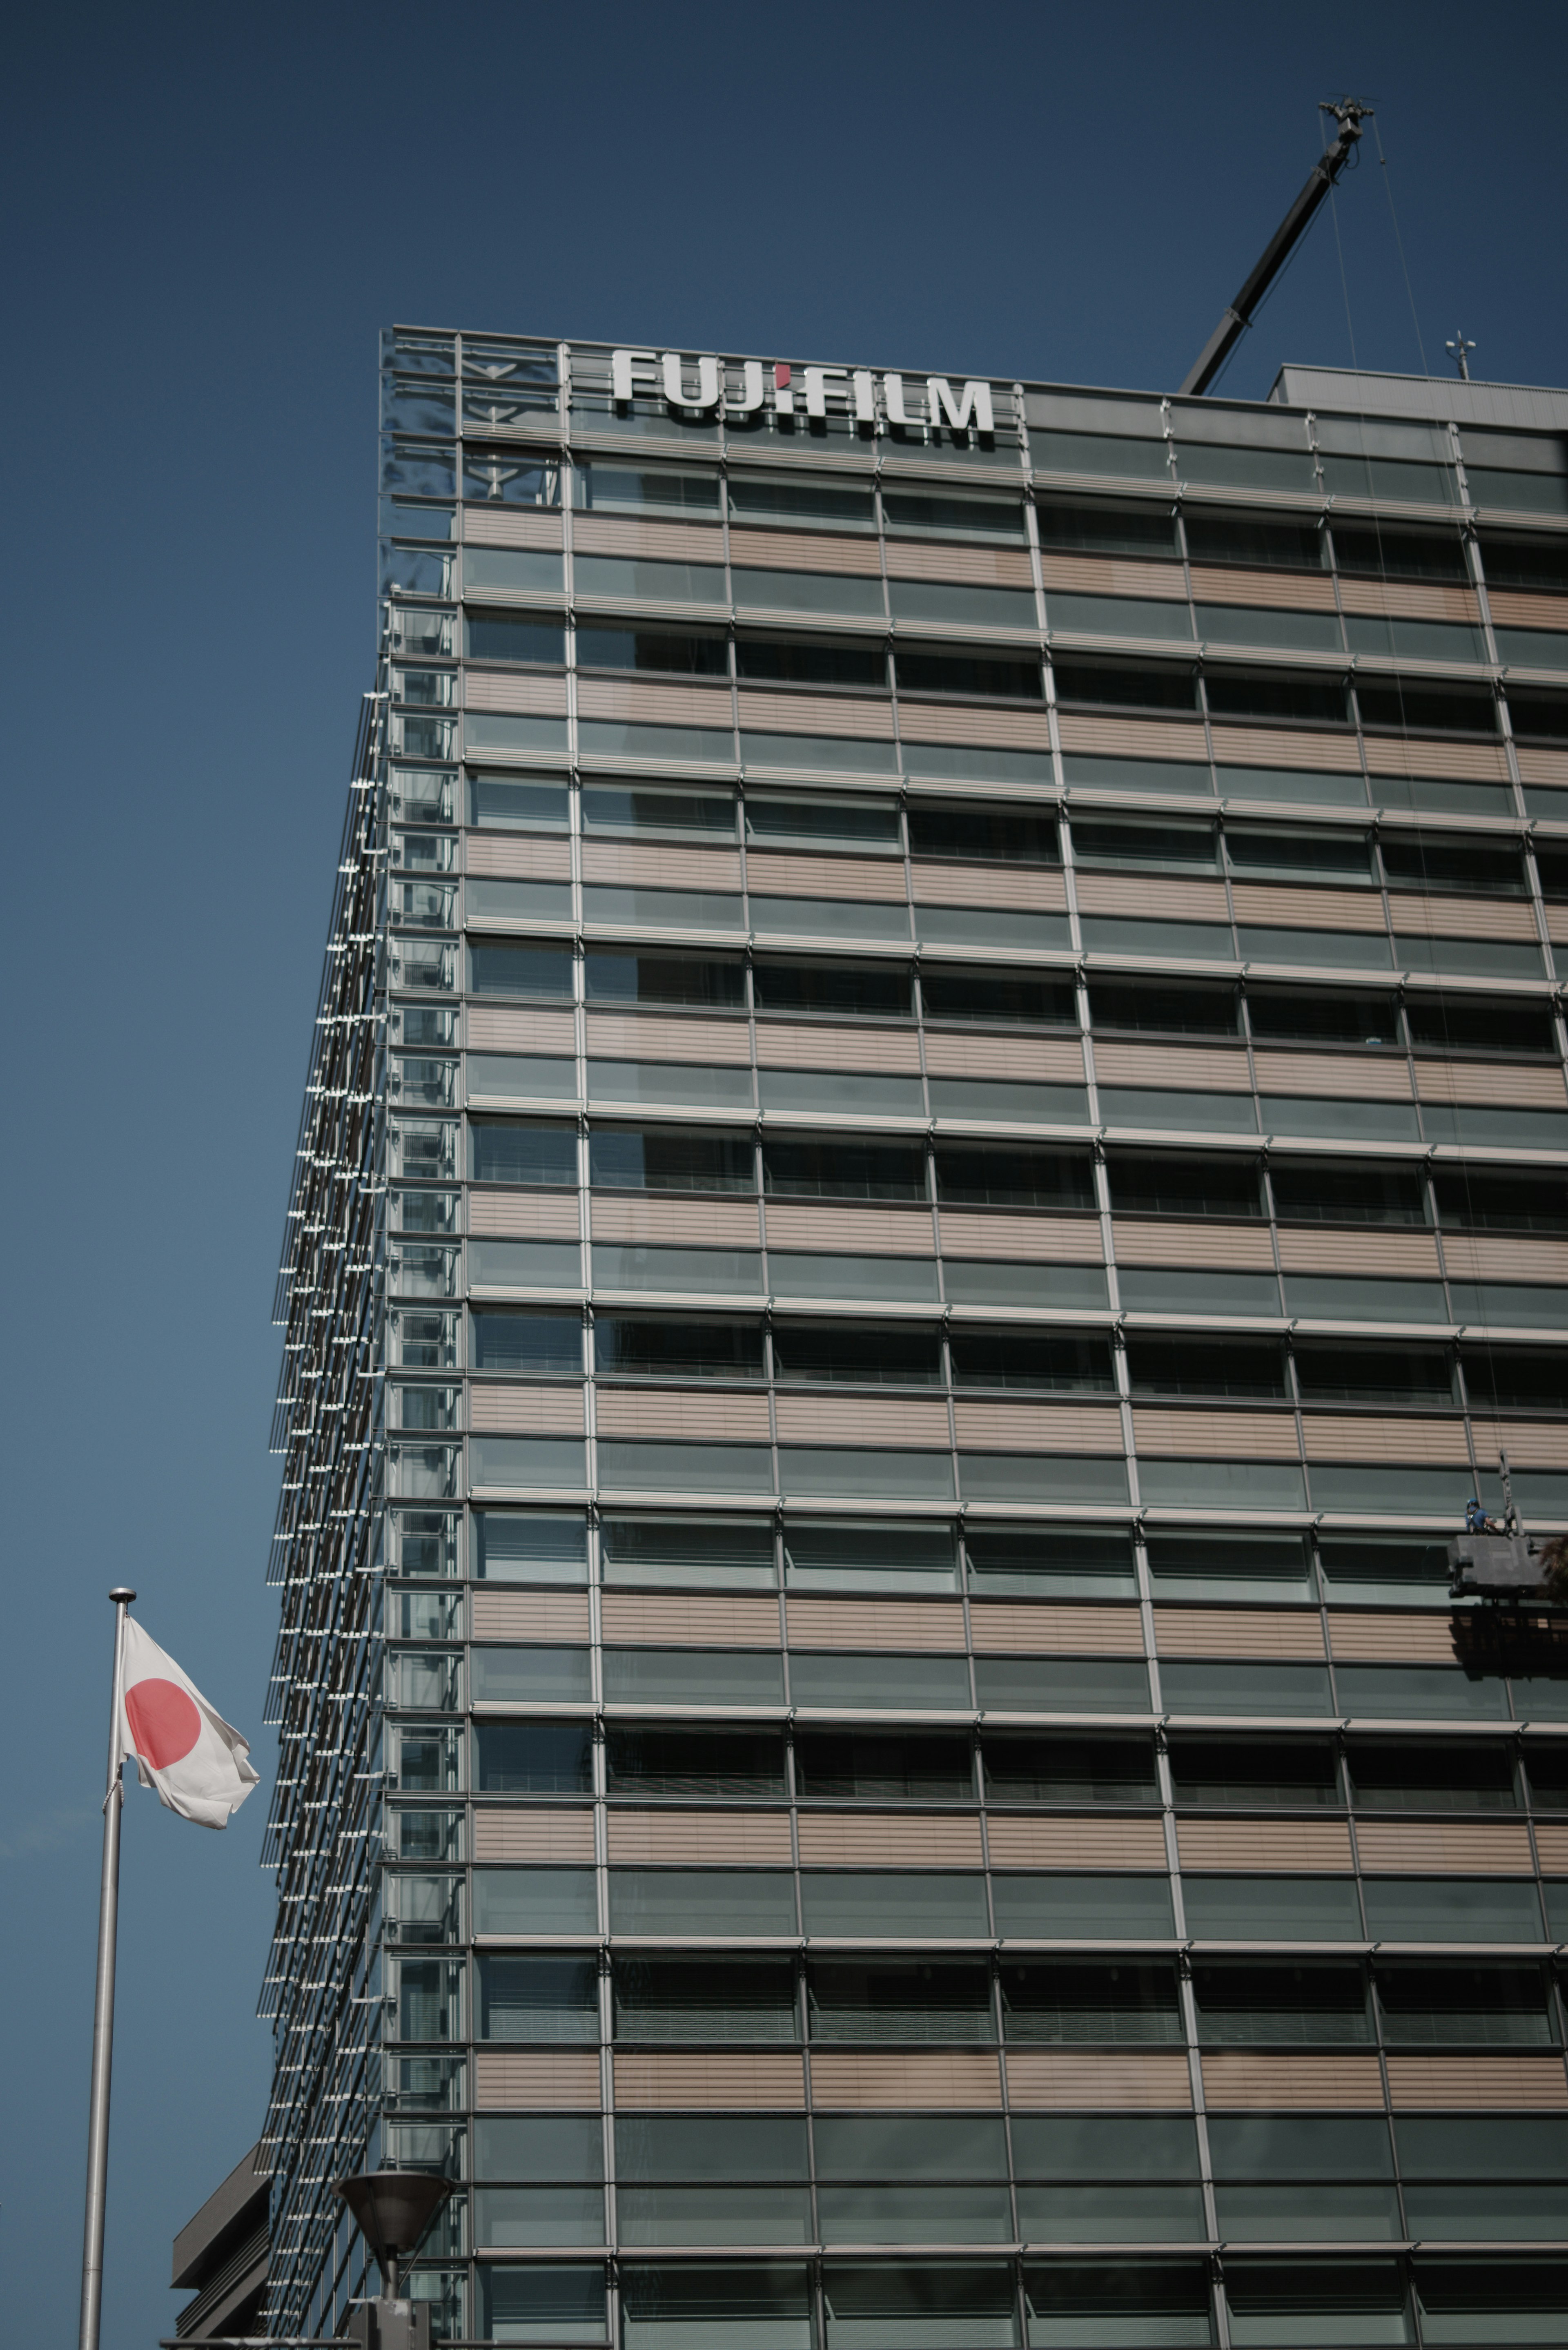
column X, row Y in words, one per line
column 705, row 383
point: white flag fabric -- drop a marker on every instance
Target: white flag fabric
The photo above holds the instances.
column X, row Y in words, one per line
column 199, row 1763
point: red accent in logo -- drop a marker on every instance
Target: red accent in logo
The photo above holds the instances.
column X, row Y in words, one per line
column 781, row 376
column 163, row 1722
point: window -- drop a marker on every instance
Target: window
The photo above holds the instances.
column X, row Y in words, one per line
column 1376, row 1375
column 1513, row 1378
column 539, row 2303
column 844, row 1170
column 913, row 513
column 1300, row 1015
column 1144, row 1185
column 1487, row 1199
column 1288, row 2006
column 645, row 1347
column 1460, row 2006
column 1269, row 541
column 1398, row 704
column 670, row 1158
column 866, row 826
column 687, row 814
column 1024, row 1767
column 1154, row 1006
column 1146, row 847
column 681, row 1764
column 810, row 660
column 802, row 502
column 997, row 836
column 538, row 1999
column 1019, row 999
column 1277, row 698
column 617, row 975
column 970, row 1175
column 1256, row 1775
column 1407, row 1775
column 502, row 636
column 508, row 967
column 1538, row 716
column 505, row 1151
column 1036, row 1361
column 984, row 676
column 1414, row 860
column 1251, row 1369
column 1085, row 529
column 866, row 1766
column 736, row 1554
column 688, row 652
column 855, row 1354
column 1533, row 564
column 1121, row 685
column 1310, row 1191
column 530, row 1547
column 531, row 802
column 1117, row 2002
column 1049, row 1561
column 1155, row 2304
column 910, row 2000
column 704, row 2000
column 855, row 991
column 1268, row 853
column 550, row 1346
column 601, row 486
column 1370, row 550
column 533, row 1758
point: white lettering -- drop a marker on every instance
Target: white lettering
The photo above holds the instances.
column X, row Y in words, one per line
column 817, row 388
column 893, row 397
column 707, row 392
column 865, row 397
column 751, row 398
column 975, row 403
column 627, row 369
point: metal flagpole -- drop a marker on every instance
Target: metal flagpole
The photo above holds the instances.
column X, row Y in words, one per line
column 103, row 2013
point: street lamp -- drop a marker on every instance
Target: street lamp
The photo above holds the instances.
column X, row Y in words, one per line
column 394, row 2209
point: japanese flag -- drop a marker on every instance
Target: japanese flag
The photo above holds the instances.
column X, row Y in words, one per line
column 198, row 1762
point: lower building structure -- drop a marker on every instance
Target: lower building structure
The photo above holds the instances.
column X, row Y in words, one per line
column 936, row 1163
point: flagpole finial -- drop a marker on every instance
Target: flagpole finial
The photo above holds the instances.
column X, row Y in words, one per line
column 121, row 1595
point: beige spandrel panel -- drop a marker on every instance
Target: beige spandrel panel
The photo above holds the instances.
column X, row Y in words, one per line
column 514, row 1409
column 517, row 857
column 1159, row 900
column 1346, row 1436
column 1047, row 1627
column 1486, row 1256
column 948, row 2080
column 497, row 526
column 1230, row 1248
column 1477, row 2085
column 1541, row 766
column 1038, row 1060
column 687, row 1224
column 873, row 879
column 1215, row 1435
column 1038, row 1426
column 1138, row 738
column 1492, row 1083
column 492, row 1027
column 1518, row 608
column 1008, row 730
column 696, row 1417
column 636, row 1618
column 1038, row 1240
column 1031, row 1840
column 889, row 1840
column 1353, row 1077
column 632, row 1036
column 1444, row 1848
column 1552, row 1845
column 859, row 1420
column 1369, row 1636
column 550, row 2080
column 1410, row 599
column 1032, row 888
column 808, row 1044
column 525, row 1835
column 1237, row 2081
column 1253, row 1847
column 1270, row 1632
column 530, row 1616
column 931, row 1627
column 1431, row 755
column 503, row 689
column 1295, row 591
column 1122, row 2080
column 1405, row 1255
column 873, row 1232
column 1419, row 917
column 657, row 705
column 1283, row 746
column 988, row 566
column 797, row 550
column 1205, row 1069
column 525, row 1215
column 1529, row 1443
column 1308, row 909
column 1089, row 575
column 712, row 2082
column 652, row 542
column 864, row 718
column 637, row 865
column 1557, row 924
column 698, row 1839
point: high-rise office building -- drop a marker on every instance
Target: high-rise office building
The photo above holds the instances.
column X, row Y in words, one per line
column 936, row 1159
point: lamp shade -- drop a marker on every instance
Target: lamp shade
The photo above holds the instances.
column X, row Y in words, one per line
column 394, row 2209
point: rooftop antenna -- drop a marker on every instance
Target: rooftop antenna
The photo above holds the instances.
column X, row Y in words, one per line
column 1349, row 113
column 1461, row 352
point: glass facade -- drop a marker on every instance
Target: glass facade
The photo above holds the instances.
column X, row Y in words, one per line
column 936, row 1155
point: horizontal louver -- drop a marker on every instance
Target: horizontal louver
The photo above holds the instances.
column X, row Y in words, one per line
column 988, row 885
column 669, row 541
column 791, row 550
column 1071, row 2080
column 701, row 2083
column 523, row 1214
column 1170, row 901
column 1477, row 2083
column 884, row 1231
column 873, row 877
column 692, row 1416
column 932, row 1626
column 1173, row 1065
column 522, row 1410
column 1352, row 1076
column 1041, row 1059
column 1490, row 1082
column 489, row 1029
column 1309, row 910
column 1244, row 2083
column 689, row 1223
column 654, row 705
column 860, row 1419
column 1017, row 1842
column 1516, row 608
column 1135, row 738
column 561, row 1836
column 1238, row 1632
column 1265, row 746
column 1483, row 1257
column 623, row 1036
column 636, row 1618
column 799, row 1045
column 1410, row 599
column 1219, row 1435
column 1456, row 761
column 699, row 1839
column 558, row 2080
column 530, row 1616
column 650, row 867
column 1368, row 1636
column 1086, row 575
column 1016, row 730
column 1233, row 1247
column 500, row 689
column 497, row 526
column 1039, row 1428
column 1413, row 1255
column 991, row 567
column 1296, row 591
column 522, row 860
column 1444, row 1848
column 1461, row 918
column 1313, row 1846
column 1038, row 1240
column 817, row 713
column 887, row 1840
column 934, row 2081
column 1003, row 1628
column 1333, row 1436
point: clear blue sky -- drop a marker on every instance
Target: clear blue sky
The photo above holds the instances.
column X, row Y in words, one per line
column 210, row 211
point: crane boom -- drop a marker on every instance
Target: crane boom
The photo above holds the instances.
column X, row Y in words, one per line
column 1349, row 113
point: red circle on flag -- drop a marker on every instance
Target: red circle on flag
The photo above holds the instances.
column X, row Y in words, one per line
column 163, row 1722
